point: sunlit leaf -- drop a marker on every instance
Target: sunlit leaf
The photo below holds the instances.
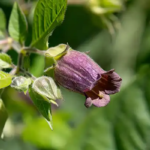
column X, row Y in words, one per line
column 48, row 14
column 5, row 79
column 5, row 61
column 21, row 83
column 17, row 24
column 57, row 52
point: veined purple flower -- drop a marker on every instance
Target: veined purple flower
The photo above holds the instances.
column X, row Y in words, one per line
column 77, row 72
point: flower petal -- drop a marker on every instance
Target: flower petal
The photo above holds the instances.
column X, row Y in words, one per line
column 101, row 102
column 88, row 102
column 110, row 82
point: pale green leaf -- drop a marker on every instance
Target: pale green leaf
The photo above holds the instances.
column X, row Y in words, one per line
column 21, row 83
column 5, row 79
column 42, row 105
column 48, row 14
column 17, row 24
column 5, row 61
column 46, row 87
column 58, row 51
column 3, row 21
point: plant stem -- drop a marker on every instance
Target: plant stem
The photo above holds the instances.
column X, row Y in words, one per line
column 33, row 50
column 22, row 54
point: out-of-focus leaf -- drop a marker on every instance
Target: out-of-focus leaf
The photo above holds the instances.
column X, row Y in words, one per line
column 37, row 71
column 3, row 116
column 46, row 87
column 17, row 24
column 48, row 14
column 38, row 132
column 42, row 105
column 3, row 21
column 5, row 79
column 124, row 44
column 18, row 103
column 2, row 36
column 5, row 61
column 114, row 5
column 15, row 144
column 105, row 6
column 124, row 124
column 21, row 83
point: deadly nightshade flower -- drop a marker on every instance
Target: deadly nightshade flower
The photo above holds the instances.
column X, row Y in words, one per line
column 77, row 72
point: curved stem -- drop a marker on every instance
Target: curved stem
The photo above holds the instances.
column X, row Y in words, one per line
column 33, row 50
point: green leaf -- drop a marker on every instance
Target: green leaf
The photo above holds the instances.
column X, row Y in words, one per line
column 5, row 79
column 21, row 83
column 48, row 14
column 42, row 105
column 3, row 21
column 3, row 116
column 17, row 24
column 46, row 87
column 5, row 61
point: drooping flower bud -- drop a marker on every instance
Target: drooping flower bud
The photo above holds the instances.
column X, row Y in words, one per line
column 77, row 72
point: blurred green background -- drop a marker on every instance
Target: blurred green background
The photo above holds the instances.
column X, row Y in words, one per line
column 117, row 34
